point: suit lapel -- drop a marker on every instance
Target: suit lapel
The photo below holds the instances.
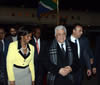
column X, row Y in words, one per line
column 41, row 45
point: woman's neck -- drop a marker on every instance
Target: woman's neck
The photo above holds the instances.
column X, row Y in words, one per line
column 23, row 44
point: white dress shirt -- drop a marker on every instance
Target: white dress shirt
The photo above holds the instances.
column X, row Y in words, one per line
column 14, row 38
column 73, row 40
column 64, row 46
column 38, row 42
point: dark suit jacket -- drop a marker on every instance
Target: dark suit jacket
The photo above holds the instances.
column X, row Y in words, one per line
column 62, row 61
column 84, row 54
column 97, row 53
column 1, row 54
column 40, row 60
column 42, row 53
column 4, row 54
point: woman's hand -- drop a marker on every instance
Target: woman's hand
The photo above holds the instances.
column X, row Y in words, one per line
column 33, row 83
column 12, row 82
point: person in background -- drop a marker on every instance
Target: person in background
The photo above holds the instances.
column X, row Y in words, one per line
column 20, row 59
column 82, row 52
column 12, row 34
column 40, row 56
column 96, row 69
column 4, row 43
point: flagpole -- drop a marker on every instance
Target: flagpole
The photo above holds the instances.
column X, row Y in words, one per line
column 58, row 12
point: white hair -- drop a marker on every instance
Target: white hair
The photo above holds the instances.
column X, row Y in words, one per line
column 60, row 27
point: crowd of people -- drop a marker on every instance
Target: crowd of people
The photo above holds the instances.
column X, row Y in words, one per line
column 28, row 59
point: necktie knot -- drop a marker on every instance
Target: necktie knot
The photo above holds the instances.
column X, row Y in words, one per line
column 75, row 41
column 62, row 48
column 61, row 45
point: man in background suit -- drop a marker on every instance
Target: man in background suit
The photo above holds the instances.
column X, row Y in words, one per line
column 40, row 55
column 97, row 58
column 1, row 69
column 82, row 52
column 4, row 49
column 12, row 34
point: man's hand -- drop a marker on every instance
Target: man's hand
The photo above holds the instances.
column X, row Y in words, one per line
column 65, row 71
column 68, row 68
column 94, row 70
column 12, row 82
column 91, row 60
column 62, row 71
column 89, row 72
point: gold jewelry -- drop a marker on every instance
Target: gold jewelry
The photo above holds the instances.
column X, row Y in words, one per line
column 24, row 48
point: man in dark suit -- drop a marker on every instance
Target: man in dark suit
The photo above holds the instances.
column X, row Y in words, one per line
column 40, row 56
column 97, row 59
column 4, row 49
column 82, row 52
column 62, row 62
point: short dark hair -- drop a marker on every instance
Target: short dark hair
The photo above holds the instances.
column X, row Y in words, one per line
column 77, row 24
column 24, row 30
column 74, row 26
column 14, row 27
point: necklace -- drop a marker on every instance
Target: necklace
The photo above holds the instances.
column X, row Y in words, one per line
column 24, row 48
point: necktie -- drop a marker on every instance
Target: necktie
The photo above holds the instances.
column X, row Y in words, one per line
column 62, row 48
column 75, row 41
column 76, row 47
column 76, row 44
column 37, row 46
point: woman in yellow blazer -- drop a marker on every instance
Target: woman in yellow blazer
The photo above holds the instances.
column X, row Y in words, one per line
column 20, row 59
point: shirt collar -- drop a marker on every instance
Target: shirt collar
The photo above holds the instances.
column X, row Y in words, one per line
column 2, row 41
column 73, row 38
column 61, row 43
column 35, row 39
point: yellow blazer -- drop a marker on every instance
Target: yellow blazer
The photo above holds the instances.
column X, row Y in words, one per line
column 14, row 57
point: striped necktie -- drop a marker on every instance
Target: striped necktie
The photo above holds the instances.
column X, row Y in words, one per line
column 62, row 48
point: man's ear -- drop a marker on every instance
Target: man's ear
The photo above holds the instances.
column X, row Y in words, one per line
column 73, row 30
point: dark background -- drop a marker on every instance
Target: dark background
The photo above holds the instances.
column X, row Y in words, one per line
column 91, row 5
column 47, row 31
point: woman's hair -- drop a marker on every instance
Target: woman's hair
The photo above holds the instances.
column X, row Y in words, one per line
column 24, row 30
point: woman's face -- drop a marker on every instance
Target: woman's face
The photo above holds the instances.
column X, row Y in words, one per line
column 27, row 38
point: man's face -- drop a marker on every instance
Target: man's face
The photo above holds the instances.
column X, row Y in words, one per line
column 78, row 31
column 13, row 32
column 2, row 34
column 60, row 36
column 37, row 33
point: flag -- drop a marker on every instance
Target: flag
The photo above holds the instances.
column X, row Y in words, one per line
column 45, row 6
